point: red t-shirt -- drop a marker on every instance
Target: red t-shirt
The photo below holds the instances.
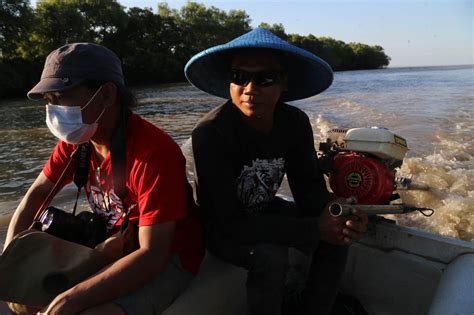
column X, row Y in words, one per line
column 157, row 188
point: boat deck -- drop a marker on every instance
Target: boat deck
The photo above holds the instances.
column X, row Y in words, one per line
column 4, row 310
column 392, row 270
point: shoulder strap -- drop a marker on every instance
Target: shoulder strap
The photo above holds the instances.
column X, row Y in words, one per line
column 56, row 187
column 118, row 154
column 82, row 157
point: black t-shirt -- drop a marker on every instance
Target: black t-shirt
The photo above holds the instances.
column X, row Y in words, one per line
column 239, row 170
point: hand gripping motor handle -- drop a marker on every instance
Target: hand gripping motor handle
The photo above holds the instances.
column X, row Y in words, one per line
column 341, row 209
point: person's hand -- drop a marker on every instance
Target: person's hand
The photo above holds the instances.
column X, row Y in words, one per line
column 342, row 230
column 331, row 228
column 355, row 226
column 62, row 304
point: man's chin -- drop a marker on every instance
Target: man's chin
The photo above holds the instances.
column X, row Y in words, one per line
column 254, row 115
column 250, row 112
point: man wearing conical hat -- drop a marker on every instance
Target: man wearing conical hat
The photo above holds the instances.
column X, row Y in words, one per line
column 243, row 149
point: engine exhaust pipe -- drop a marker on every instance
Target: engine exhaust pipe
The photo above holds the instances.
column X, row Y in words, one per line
column 405, row 183
column 341, row 209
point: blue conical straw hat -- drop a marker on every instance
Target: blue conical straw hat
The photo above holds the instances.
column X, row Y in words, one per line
column 308, row 74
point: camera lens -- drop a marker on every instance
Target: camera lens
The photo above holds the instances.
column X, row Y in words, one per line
column 46, row 219
column 62, row 224
column 86, row 228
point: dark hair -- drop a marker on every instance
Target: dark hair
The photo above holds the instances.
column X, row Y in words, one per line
column 126, row 97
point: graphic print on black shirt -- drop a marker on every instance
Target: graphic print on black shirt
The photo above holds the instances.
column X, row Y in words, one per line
column 258, row 184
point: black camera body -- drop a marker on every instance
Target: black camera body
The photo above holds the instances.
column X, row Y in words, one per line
column 86, row 228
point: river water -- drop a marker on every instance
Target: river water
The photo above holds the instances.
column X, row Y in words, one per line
column 432, row 107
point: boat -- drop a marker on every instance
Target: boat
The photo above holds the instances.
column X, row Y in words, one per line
column 391, row 270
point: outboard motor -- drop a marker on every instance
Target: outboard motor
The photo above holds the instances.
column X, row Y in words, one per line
column 361, row 163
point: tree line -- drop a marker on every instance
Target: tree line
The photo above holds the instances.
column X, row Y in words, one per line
column 153, row 45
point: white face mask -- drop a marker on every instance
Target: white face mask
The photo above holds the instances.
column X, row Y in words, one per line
column 65, row 122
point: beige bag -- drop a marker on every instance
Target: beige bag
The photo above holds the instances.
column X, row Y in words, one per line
column 37, row 266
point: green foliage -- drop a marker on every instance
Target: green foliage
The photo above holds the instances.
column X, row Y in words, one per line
column 368, row 57
column 154, row 47
column 16, row 76
column 200, row 27
column 277, row 29
column 342, row 56
column 15, row 23
column 148, row 48
column 58, row 22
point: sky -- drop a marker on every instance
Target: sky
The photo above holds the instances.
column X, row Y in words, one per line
column 412, row 32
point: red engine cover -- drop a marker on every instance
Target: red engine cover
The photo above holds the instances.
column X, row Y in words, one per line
column 363, row 177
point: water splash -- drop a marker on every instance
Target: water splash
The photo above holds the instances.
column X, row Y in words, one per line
column 450, row 173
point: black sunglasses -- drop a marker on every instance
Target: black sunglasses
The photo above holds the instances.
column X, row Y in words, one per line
column 261, row 78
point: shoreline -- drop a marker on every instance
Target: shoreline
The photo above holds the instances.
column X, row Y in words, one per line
column 165, row 84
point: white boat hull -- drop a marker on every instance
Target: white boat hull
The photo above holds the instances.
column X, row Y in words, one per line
column 392, row 270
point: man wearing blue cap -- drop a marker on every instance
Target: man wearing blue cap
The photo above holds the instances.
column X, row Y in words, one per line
column 243, row 149
column 130, row 184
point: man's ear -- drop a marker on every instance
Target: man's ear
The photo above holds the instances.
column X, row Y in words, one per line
column 109, row 94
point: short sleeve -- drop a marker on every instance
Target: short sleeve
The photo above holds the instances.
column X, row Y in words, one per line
column 58, row 161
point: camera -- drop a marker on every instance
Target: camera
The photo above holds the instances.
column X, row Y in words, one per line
column 85, row 228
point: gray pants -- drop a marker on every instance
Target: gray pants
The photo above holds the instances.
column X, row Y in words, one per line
column 158, row 294
column 268, row 284
column 268, row 265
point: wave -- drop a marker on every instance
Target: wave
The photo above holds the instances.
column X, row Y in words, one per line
column 449, row 170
